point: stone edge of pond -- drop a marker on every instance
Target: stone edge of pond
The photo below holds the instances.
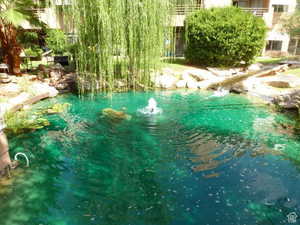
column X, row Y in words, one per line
column 13, row 104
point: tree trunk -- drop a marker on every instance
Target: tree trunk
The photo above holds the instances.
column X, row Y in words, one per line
column 4, row 154
column 13, row 59
column 11, row 48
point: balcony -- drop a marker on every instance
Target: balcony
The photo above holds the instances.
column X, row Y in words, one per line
column 62, row 2
column 256, row 11
column 186, row 9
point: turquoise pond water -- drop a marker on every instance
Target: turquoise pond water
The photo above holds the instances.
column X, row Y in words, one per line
column 203, row 161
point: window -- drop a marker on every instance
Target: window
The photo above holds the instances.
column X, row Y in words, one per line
column 274, row 45
column 280, row 8
column 294, row 47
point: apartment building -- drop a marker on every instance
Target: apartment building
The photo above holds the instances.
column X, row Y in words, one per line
column 278, row 42
column 52, row 15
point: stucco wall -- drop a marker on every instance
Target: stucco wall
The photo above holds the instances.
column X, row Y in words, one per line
column 277, row 32
column 291, row 3
column 279, row 36
column 48, row 16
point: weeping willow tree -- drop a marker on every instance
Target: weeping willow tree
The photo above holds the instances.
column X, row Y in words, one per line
column 120, row 42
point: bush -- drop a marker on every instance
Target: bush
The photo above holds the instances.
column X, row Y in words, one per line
column 33, row 51
column 28, row 39
column 223, row 37
column 56, row 40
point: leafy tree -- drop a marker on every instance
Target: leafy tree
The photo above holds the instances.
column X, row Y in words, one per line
column 13, row 13
column 224, row 37
column 292, row 22
column 30, row 41
column 57, row 41
column 28, row 38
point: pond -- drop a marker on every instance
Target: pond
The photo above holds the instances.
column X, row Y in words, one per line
column 203, row 161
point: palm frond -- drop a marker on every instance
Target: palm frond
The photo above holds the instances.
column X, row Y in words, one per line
column 17, row 12
column 14, row 17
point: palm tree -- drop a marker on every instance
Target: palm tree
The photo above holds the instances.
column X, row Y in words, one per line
column 13, row 13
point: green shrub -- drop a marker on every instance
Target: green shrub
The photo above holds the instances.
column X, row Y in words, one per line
column 223, row 37
column 34, row 51
column 57, row 41
column 28, row 39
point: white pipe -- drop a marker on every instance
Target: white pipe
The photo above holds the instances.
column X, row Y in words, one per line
column 22, row 154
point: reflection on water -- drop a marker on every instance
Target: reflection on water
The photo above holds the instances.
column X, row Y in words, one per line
column 182, row 167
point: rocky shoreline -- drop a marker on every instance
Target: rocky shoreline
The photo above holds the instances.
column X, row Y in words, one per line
column 18, row 92
column 265, row 82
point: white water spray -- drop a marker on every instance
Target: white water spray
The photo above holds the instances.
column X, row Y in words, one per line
column 151, row 108
column 22, row 154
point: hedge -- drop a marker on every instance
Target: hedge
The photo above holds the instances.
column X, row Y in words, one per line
column 224, row 37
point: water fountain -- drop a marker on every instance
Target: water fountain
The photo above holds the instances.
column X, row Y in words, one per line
column 151, row 108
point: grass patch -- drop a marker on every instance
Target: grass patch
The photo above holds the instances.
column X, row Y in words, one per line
column 264, row 60
column 32, row 65
column 177, row 64
column 293, row 71
column 269, row 60
column 3, row 99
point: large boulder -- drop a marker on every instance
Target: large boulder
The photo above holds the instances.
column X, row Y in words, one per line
column 166, row 81
column 57, row 66
column 61, row 87
column 181, row 84
column 195, row 75
column 204, row 84
column 238, row 88
column 43, row 71
column 10, row 90
column 55, row 75
column 279, row 84
column 221, row 72
column 255, row 67
column 192, row 84
column 190, row 81
column 187, row 77
column 200, row 74
column 42, row 88
column 18, row 100
column 115, row 115
column 68, row 83
column 288, row 101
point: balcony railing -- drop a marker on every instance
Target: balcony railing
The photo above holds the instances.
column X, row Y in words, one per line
column 63, row 2
column 38, row 10
column 256, row 11
column 186, row 9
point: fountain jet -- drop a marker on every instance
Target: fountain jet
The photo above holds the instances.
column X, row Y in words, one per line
column 151, row 108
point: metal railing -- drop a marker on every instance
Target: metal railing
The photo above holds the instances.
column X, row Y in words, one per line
column 40, row 6
column 38, row 10
column 186, row 9
column 256, row 11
